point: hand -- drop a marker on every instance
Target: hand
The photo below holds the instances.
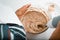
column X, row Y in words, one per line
column 56, row 33
column 22, row 10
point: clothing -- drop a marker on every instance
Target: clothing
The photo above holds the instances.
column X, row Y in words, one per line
column 12, row 31
column 55, row 21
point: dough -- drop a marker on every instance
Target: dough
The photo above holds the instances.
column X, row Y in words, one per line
column 34, row 20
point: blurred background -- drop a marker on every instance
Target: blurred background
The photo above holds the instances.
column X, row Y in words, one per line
column 16, row 4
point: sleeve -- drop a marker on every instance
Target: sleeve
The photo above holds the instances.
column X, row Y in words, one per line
column 17, row 31
column 12, row 32
column 4, row 32
column 55, row 21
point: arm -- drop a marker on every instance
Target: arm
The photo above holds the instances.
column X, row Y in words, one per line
column 56, row 33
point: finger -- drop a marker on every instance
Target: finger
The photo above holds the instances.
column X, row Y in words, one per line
column 25, row 7
column 21, row 10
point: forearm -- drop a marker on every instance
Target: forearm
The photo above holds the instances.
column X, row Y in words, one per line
column 56, row 33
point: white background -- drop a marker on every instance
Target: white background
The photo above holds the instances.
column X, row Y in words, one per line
column 18, row 3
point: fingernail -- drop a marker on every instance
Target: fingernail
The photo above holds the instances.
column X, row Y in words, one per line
column 28, row 5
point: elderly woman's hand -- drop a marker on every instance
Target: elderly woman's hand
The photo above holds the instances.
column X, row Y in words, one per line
column 22, row 10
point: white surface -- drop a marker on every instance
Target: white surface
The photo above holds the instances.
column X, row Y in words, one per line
column 15, row 4
column 7, row 15
column 43, row 36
